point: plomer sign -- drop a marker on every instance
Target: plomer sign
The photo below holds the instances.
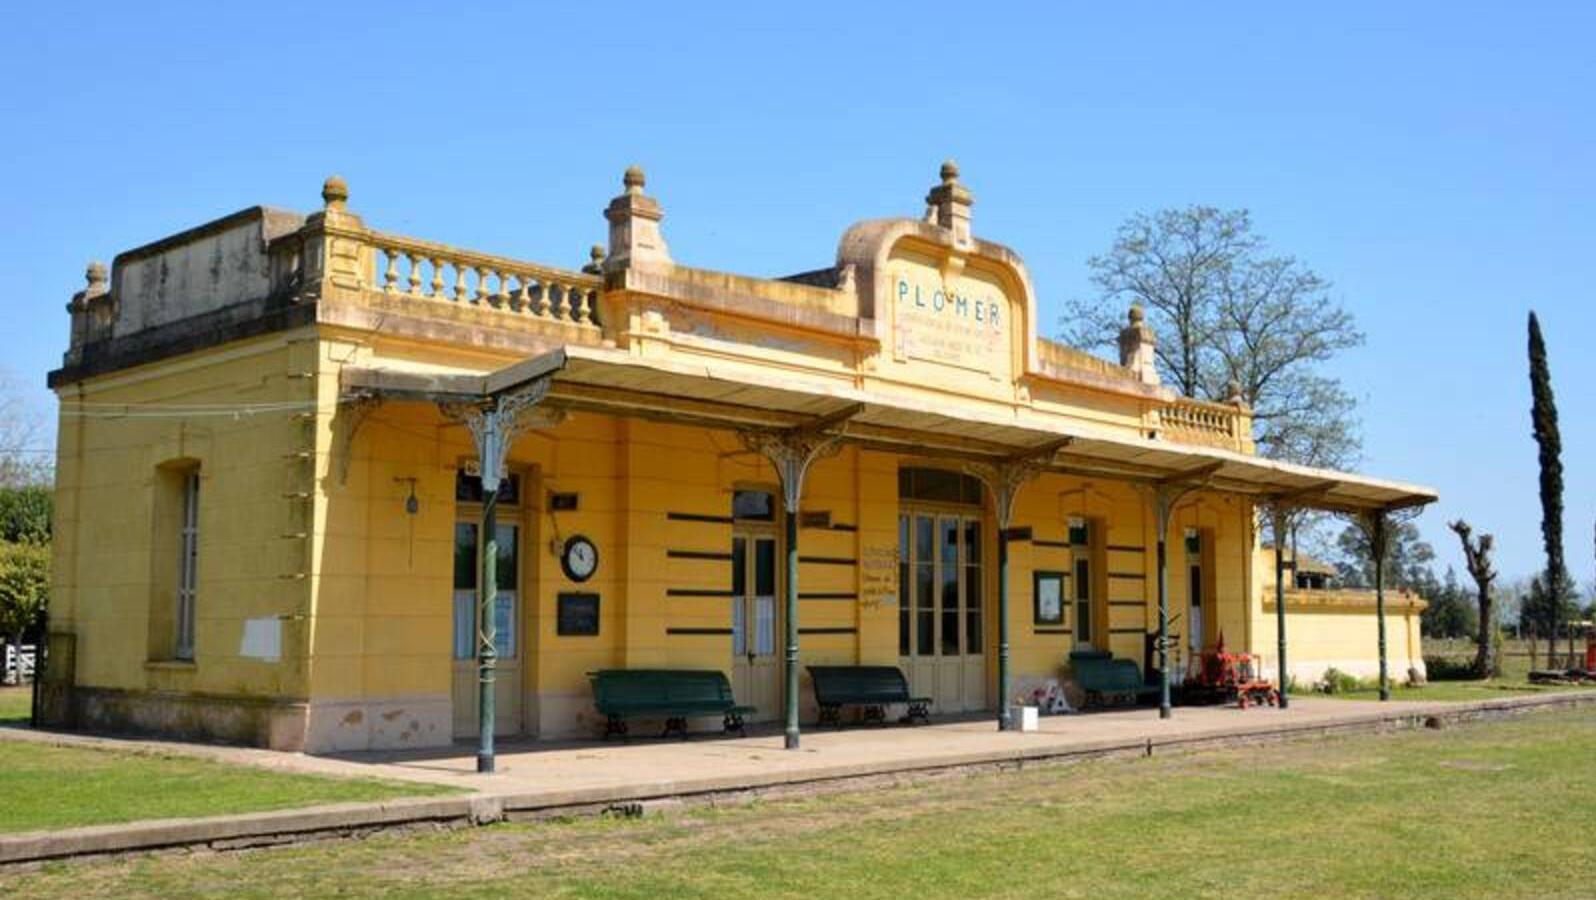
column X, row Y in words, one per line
column 960, row 323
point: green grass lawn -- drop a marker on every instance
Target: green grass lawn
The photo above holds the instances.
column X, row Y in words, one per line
column 1491, row 810
column 43, row 787
column 15, row 703
column 1513, row 682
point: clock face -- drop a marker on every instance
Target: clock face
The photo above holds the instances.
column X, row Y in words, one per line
column 580, row 558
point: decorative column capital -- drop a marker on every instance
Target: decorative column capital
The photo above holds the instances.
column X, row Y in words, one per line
column 496, row 421
column 792, row 453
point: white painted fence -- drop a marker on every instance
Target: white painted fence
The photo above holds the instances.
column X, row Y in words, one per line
column 18, row 664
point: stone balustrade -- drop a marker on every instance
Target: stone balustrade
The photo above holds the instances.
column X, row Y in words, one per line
column 1212, row 424
column 438, row 272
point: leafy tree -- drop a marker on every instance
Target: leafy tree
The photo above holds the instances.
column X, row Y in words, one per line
column 1548, row 605
column 1449, row 614
column 1227, row 314
column 25, row 513
column 1477, row 554
column 1407, row 561
column 24, row 587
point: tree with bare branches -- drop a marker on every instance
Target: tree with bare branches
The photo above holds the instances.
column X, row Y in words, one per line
column 1477, row 556
column 1230, row 316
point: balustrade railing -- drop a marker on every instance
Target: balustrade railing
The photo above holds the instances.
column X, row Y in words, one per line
column 423, row 269
column 1198, row 421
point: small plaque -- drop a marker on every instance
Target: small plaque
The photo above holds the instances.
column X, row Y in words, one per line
column 578, row 615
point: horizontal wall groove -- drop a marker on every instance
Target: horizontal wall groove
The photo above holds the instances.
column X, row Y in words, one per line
column 699, row 632
column 697, row 517
column 828, row 595
column 717, row 555
column 699, row 592
column 829, row 560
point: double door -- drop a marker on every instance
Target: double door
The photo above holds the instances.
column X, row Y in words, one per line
column 941, row 607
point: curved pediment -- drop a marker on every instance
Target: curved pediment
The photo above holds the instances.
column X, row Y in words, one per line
column 950, row 310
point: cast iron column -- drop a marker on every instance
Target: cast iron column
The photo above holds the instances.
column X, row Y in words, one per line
column 1280, row 602
column 791, row 453
column 1377, row 539
column 1005, row 715
column 1164, row 705
column 493, row 421
column 790, row 685
column 487, row 654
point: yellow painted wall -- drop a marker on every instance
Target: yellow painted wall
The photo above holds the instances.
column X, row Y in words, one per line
column 113, row 535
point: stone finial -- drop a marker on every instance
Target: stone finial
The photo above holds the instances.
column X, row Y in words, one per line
column 948, row 205
column 1233, row 394
column 335, row 192
column 634, row 217
column 595, row 265
column 97, row 277
column 1138, row 346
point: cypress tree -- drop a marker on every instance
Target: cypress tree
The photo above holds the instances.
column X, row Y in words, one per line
column 1543, row 416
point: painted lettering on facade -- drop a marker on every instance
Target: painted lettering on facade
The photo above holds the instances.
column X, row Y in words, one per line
column 878, row 572
column 961, row 324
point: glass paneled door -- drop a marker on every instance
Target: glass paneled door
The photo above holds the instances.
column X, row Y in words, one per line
column 756, row 675
column 941, row 608
column 507, row 677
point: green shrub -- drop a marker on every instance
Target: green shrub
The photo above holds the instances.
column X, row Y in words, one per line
column 1336, row 681
column 1449, row 668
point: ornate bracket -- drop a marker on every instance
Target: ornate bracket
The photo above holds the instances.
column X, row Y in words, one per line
column 792, row 453
column 355, row 410
column 1004, row 479
column 495, row 422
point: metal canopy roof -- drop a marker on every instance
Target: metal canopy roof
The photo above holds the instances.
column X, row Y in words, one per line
column 733, row 394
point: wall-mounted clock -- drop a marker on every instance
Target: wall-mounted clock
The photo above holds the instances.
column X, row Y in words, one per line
column 579, row 558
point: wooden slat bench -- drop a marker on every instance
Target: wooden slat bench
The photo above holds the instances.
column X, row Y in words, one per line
column 674, row 695
column 871, row 687
column 1103, row 678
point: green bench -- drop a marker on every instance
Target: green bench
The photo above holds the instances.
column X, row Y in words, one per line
column 871, row 687
column 674, row 695
column 1103, row 678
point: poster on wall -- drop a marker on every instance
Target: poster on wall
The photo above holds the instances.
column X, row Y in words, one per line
column 1049, row 598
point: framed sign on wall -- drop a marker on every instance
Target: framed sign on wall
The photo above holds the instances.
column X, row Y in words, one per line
column 577, row 614
column 1048, row 593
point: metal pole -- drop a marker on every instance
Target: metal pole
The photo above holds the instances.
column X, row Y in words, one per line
column 1377, row 540
column 1005, row 718
column 487, row 655
column 1164, row 706
column 791, row 685
column 1280, row 602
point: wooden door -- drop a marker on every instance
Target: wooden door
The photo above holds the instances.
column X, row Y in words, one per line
column 756, row 618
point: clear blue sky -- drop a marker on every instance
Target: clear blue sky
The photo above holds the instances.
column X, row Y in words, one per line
column 1434, row 161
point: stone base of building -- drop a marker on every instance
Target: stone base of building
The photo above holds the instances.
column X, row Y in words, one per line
column 276, row 724
column 389, row 723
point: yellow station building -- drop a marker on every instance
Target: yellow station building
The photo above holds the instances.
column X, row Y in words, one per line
column 269, row 483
